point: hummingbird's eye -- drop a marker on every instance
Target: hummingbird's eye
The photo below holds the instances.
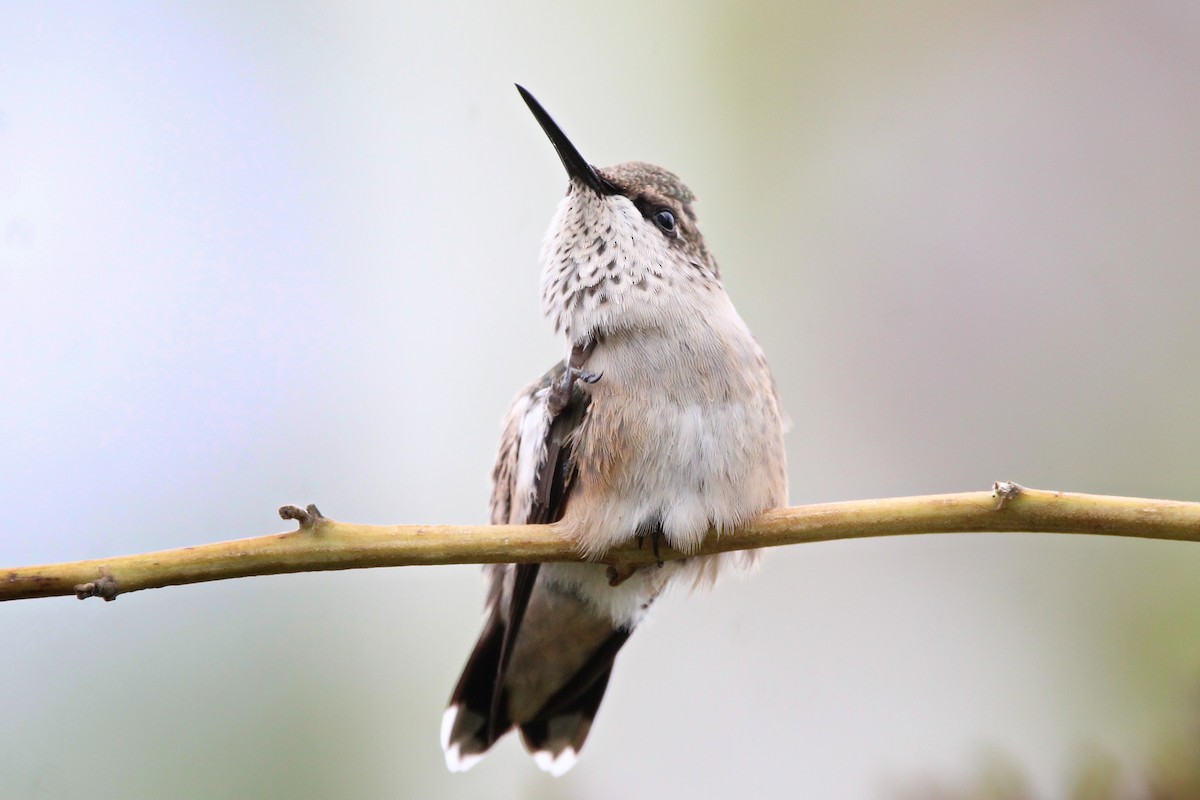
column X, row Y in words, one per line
column 665, row 220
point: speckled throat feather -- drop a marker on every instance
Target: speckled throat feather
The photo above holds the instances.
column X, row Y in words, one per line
column 604, row 268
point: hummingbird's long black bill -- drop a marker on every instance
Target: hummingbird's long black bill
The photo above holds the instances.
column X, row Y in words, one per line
column 576, row 165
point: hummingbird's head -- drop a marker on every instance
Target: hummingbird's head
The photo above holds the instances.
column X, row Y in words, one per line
column 624, row 250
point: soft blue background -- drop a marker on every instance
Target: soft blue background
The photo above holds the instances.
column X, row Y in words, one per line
column 260, row 254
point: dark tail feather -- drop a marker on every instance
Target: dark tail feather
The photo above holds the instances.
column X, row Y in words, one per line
column 466, row 731
column 478, row 713
column 524, row 578
column 556, row 735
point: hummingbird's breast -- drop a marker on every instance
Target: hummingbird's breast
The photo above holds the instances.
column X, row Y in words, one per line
column 684, row 431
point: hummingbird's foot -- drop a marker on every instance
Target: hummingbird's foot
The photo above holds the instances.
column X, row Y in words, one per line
column 560, row 393
column 656, row 535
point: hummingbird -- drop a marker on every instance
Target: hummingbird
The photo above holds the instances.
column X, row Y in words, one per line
column 662, row 421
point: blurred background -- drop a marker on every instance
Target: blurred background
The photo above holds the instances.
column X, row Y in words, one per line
column 256, row 254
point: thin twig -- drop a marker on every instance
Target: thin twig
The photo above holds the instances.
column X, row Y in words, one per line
column 325, row 544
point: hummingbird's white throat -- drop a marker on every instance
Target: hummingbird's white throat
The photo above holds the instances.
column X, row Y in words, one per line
column 606, row 268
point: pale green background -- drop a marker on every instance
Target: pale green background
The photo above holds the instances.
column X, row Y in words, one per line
column 287, row 253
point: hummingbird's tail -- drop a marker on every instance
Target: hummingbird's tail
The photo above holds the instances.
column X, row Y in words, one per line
column 551, row 691
column 556, row 734
column 465, row 724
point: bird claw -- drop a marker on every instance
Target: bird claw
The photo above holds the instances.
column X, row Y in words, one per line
column 560, row 393
column 656, row 536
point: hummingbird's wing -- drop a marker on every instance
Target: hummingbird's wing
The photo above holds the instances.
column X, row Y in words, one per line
column 564, row 664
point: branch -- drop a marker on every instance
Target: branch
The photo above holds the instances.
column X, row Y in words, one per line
column 324, row 544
